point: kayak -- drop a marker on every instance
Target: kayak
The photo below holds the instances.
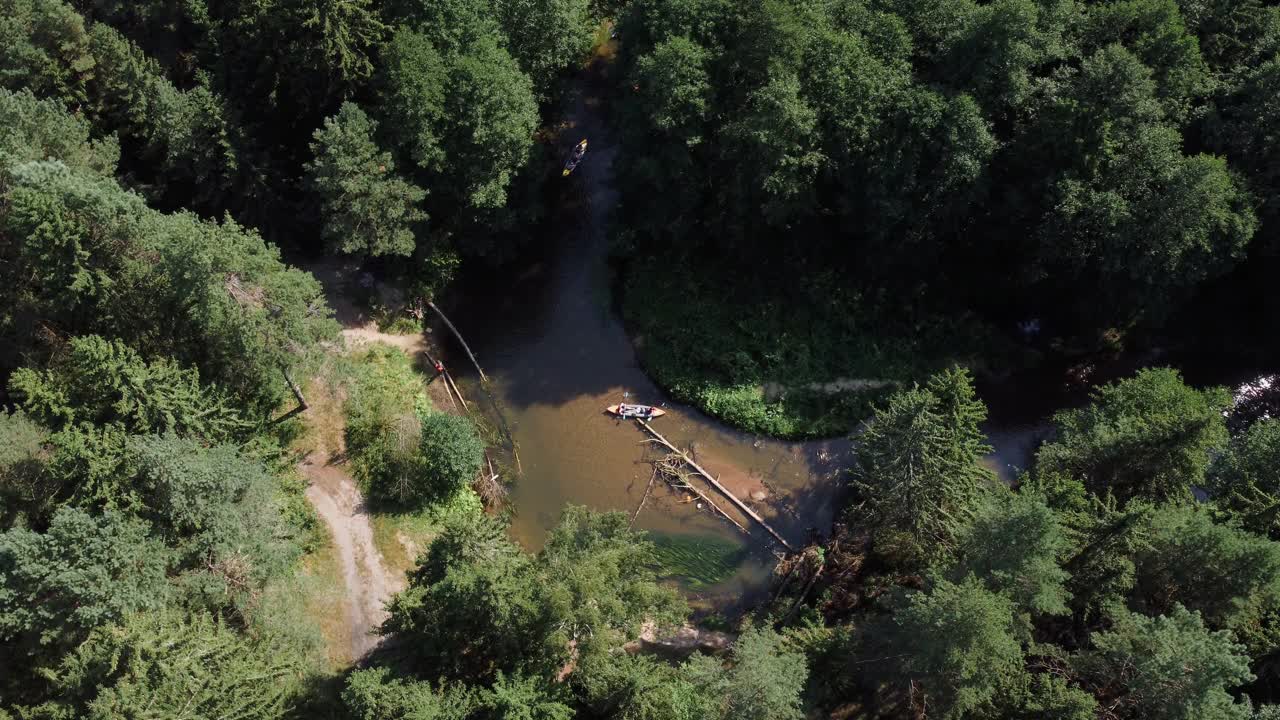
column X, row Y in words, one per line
column 575, row 157
column 642, row 412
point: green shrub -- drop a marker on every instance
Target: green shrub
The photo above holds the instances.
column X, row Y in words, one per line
column 382, row 422
column 401, row 325
column 403, row 452
column 451, row 452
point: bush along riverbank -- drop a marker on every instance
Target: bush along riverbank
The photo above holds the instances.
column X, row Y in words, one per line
column 793, row 362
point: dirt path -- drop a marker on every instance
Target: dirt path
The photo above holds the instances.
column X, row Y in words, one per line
column 369, row 583
column 357, row 326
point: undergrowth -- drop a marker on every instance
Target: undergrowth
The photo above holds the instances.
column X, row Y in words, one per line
column 747, row 353
column 402, row 535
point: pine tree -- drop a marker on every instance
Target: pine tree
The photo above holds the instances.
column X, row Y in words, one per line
column 918, row 474
column 1168, row 668
column 1149, row 436
column 367, row 208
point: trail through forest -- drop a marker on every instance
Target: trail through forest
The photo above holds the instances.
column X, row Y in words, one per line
column 368, row 580
column 369, row 583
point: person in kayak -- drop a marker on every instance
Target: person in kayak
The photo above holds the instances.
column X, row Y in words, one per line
column 575, row 157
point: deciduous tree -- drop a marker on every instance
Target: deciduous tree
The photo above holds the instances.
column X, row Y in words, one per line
column 452, row 453
column 545, row 37
column 490, row 116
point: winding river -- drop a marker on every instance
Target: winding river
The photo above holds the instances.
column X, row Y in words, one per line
column 556, row 353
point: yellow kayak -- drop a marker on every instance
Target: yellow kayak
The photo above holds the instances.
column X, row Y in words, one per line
column 575, row 157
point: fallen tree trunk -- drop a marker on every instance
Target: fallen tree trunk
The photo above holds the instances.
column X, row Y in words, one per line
column 297, row 391
column 449, row 381
column 458, row 335
column 686, row 485
column 302, row 405
column 803, row 593
column 716, row 484
column 786, row 580
column 448, row 392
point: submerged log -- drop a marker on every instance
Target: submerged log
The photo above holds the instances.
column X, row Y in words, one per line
column 716, row 484
column 647, row 489
column 671, row 470
column 448, row 379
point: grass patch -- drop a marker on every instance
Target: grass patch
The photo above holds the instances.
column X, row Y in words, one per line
column 399, row 324
column 698, row 560
column 321, row 588
column 763, row 358
column 401, row 535
column 326, row 380
column 336, row 385
column 603, row 46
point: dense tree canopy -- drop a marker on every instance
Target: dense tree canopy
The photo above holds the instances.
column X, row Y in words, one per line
column 481, row 606
column 176, row 666
column 367, row 207
column 1087, row 169
column 960, row 645
column 1170, row 667
column 1226, row 575
column 102, row 382
column 1245, row 480
column 1015, row 544
column 84, row 571
column 515, row 626
column 90, row 258
column 825, row 210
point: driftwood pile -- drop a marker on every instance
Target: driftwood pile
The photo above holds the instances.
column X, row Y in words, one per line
column 699, row 471
column 672, row 468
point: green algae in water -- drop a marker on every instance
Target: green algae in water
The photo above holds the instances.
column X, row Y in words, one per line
column 698, row 560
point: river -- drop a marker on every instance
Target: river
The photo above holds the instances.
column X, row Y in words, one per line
column 550, row 339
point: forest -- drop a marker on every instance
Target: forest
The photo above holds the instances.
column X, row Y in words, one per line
column 833, row 219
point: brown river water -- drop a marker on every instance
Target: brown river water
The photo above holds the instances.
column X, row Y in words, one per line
column 548, row 336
